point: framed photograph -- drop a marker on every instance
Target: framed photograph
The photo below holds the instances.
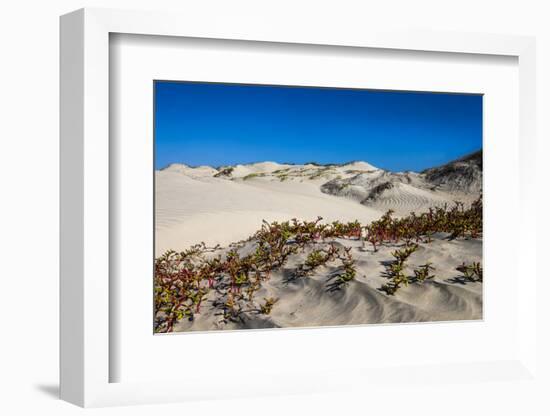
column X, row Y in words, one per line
column 273, row 205
column 267, row 214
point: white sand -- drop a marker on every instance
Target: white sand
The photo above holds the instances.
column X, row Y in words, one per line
column 193, row 206
column 307, row 301
column 220, row 211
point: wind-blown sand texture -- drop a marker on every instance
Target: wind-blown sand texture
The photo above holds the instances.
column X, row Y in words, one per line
column 228, row 204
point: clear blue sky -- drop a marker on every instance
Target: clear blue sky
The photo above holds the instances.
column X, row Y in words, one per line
column 225, row 124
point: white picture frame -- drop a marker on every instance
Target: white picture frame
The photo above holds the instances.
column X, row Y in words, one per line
column 86, row 356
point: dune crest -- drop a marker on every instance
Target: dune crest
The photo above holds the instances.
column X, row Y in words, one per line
column 192, row 172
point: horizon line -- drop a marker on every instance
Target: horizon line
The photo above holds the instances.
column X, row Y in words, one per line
column 316, row 163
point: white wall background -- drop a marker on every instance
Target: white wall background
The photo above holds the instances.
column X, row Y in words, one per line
column 29, row 206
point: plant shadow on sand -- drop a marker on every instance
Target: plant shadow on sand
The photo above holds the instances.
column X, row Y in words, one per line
column 471, row 273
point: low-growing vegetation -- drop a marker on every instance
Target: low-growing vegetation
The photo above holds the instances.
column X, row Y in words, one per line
column 322, row 172
column 268, row 305
column 224, row 172
column 253, row 175
column 422, row 273
column 457, row 221
column 395, row 269
column 472, row 272
column 229, row 280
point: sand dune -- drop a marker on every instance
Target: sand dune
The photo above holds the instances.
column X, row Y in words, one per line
column 192, row 172
column 190, row 209
column 228, row 204
column 402, row 192
column 404, row 198
column 464, row 174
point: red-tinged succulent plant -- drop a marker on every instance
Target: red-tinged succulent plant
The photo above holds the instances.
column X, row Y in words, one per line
column 185, row 280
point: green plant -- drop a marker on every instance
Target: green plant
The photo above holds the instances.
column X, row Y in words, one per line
column 253, row 175
column 347, row 273
column 422, row 273
column 402, row 255
column 267, row 307
column 316, row 258
column 395, row 269
column 472, row 272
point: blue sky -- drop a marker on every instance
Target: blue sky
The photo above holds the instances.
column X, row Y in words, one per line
column 225, row 124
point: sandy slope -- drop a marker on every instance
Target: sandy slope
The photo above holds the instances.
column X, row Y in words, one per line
column 404, row 198
column 402, row 192
column 219, row 211
column 308, row 301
